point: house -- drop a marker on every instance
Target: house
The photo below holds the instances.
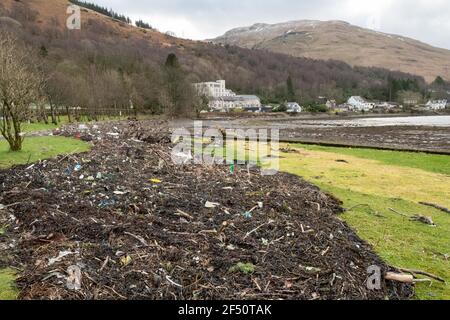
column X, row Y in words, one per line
column 358, row 103
column 246, row 101
column 331, row 104
column 436, row 104
column 345, row 107
column 222, row 99
column 293, row 107
column 215, row 89
column 227, row 103
column 385, row 105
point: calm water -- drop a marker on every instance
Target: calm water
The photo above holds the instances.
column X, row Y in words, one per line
column 433, row 121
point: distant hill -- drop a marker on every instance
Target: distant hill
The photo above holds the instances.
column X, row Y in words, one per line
column 342, row 41
column 115, row 48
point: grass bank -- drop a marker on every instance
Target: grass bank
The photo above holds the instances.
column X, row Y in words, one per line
column 39, row 148
column 7, row 288
column 369, row 182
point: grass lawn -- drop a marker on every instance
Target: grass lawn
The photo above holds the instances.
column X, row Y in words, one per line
column 41, row 126
column 7, row 289
column 379, row 180
column 39, row 148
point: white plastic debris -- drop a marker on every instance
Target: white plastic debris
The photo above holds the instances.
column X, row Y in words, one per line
column 211, row 205
column 60, row 256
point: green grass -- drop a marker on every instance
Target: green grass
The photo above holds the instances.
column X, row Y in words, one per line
column 40, row 148
column 41, row 126
column 379, row 180
column 8, row 291
column 428, row 162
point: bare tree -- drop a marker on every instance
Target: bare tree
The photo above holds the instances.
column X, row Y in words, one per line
column 20, row 87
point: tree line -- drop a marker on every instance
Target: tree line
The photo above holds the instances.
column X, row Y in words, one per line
column 103, row 10
column 31, row 89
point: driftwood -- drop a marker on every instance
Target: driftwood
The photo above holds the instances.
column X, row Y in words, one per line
column 438, row 207
column 409, row 276
column 399, row 277
column 417, row 217
column 423, row 273
column 423, row 219
column 399, row 213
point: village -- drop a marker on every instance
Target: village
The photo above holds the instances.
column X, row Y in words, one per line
column 223, row 100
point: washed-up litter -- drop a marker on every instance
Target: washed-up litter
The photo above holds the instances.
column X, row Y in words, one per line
column 211, row 205
column 113, row 134
column 107, row 203
column 177, row 239
column 125, row 260
column 60, row 256
column 423, row 219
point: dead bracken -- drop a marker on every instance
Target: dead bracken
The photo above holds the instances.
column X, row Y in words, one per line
column 137, row 227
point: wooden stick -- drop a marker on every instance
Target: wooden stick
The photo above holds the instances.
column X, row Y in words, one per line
column 438, row 207
column 423, row 273
column 399, row 213
column 183, row 214
column 399, row 277
column 138, row 238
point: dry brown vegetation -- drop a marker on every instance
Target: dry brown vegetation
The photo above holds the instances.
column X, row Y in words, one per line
column 342, row 41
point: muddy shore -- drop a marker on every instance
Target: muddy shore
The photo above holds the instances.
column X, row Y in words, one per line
column 398, row 137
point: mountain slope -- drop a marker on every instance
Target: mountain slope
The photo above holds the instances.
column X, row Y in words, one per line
column 106, row 49
column 342, row 41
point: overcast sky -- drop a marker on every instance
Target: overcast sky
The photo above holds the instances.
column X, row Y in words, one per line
column 425, row 20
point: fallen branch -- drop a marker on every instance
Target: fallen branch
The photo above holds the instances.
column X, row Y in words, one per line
column 422, row 273
column 399, row 213
column 257, row 228
column 138, row 238
column 358, row 205
column 399, row 277
column 423, row 219
column 438, row 207
column 183, row 214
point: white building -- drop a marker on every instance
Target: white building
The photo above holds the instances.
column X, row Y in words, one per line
column 385, row 105
column 293, row 107
column 358, row 103
column 436, row 104
column 213, row 89
column 223, row 100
